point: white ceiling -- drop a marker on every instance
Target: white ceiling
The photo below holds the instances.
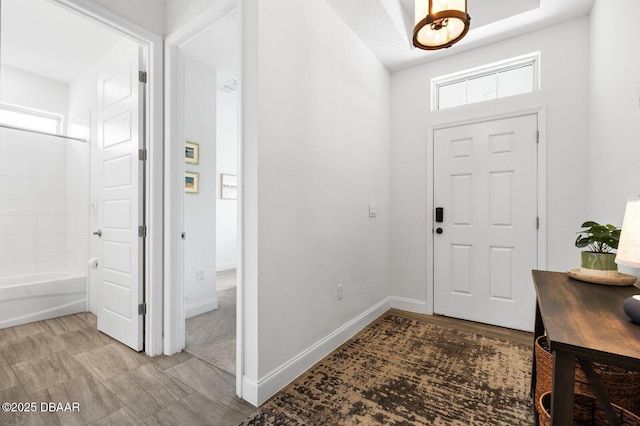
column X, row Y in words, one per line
column 45, row 39
column 386, row 26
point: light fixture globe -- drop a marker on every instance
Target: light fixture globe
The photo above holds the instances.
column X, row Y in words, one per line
column 440, row 23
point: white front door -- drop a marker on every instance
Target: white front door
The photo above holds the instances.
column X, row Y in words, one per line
column 485, row 181
column 120, row 206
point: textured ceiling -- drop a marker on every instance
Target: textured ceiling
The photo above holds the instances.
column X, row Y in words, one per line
column 385, row 26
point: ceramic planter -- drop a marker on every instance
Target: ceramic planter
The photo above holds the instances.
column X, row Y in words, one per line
column 598, row 264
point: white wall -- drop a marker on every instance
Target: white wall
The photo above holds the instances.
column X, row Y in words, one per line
column 564, row 92
column 33, row 91
column 322, row 144
column 200, row 209
column 227, row 163
column 615, row 111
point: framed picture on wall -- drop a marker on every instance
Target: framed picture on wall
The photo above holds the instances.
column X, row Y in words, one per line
column 228, row 187
column 191, row 152
column 191, row 182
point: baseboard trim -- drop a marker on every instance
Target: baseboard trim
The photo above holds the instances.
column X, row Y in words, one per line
column 410, row 305
column 200, row 307
column 258, row 392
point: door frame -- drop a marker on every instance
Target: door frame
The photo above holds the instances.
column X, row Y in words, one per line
column 541, row 113
column 174, row 320
column 153, row 121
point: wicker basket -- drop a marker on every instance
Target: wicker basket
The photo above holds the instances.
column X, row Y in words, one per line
column 622, row 386
column 586, row 412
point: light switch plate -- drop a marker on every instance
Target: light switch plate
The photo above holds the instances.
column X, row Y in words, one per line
column 373, row 210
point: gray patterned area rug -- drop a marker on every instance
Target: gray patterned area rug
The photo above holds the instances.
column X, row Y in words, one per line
column 401, row 371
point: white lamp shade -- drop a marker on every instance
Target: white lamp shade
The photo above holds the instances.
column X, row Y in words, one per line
column 629, row 245
column 453, row 13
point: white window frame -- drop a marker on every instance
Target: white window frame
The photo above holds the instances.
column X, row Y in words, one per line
column 34, row 113
column 532, row 59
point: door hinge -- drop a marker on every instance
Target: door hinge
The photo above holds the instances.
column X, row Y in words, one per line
column 537, row 222
column 142, row 309
column 142, row 231
column 142, row 76
column 537, row 136
column 142, row 154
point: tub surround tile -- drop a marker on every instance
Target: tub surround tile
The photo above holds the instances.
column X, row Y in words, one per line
column 95, row 401
column 147, row 389
column 208, row 380
column 108, row 361
column 48, row 370
column 31, row 347
column 18, row 394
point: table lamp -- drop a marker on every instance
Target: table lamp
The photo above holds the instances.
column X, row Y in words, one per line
column 629, row 252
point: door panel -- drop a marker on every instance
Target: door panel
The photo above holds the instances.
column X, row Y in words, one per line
column 120, row 137
column 486, row 181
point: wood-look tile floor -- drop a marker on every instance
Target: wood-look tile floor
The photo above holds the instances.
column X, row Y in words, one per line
column 66, row 360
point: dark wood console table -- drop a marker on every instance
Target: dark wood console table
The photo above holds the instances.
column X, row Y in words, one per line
column 583, row 322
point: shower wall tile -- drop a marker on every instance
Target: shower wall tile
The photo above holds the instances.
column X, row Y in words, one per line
column 53, row 150
column 77, row 206
column 18, row 205
column 52, row 261
column 52, row 243
column 51, row 169
column 48, row 225
column 17, row 225
column 18, row 166
column 52, row 206
column 17, row 146
column 19, row 245
column 78, row 225
column 13, row 185
column 52, row 188
column 18, row 264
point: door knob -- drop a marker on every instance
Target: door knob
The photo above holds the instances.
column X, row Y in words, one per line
column 438, row 230
column 98, row 233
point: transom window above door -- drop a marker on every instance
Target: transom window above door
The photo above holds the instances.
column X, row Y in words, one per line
column 496, row 80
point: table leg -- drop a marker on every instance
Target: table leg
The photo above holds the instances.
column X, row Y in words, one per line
column 564, row 366
column 538, row 330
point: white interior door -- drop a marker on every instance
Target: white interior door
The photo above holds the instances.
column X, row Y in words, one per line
column 485, row 179
column 120, row 206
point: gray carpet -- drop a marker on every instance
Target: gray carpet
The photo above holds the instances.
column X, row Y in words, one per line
column 212, row 336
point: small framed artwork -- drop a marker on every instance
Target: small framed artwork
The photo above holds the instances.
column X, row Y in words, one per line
column 228, row 187
column 191, row 182
column 191, row 152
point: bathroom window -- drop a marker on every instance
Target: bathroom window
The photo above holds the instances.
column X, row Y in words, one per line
column 497, row 80
column 26, row 118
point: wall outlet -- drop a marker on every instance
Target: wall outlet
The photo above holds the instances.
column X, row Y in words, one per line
column 339, row 294
column 200, row 274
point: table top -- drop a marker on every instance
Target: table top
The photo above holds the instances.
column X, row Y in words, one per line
column 588, row 319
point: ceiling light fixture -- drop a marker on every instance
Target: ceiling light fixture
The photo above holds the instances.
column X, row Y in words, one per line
column 440, row 23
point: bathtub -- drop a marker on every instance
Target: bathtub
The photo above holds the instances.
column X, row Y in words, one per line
column 35, row 297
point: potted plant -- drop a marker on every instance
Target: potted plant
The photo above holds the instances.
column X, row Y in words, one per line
column 601, row 240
